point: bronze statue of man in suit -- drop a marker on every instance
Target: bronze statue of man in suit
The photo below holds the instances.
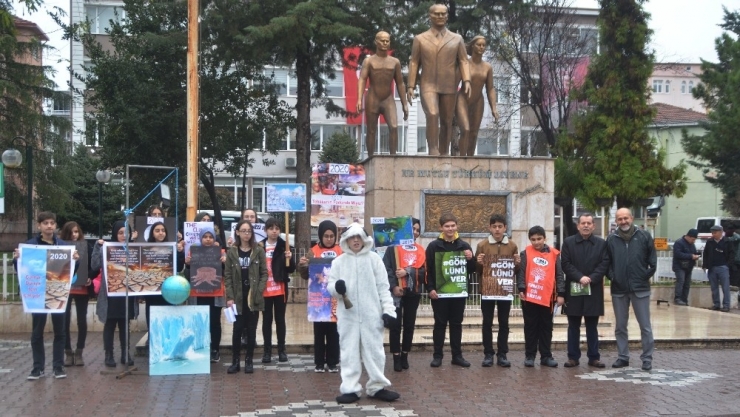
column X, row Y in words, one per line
column 381, row 70
column 442, row 57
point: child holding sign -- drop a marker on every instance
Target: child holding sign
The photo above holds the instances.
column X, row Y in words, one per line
column 538, row 279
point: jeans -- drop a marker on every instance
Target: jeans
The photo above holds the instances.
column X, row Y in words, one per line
column 450, row 310
column 38, row 321
column 641, row 306
column 720, row 275
column 683, row 284
column 592, row 337
column 81, row 302
column 277, row 305
column 502, row 342
column 406, row 317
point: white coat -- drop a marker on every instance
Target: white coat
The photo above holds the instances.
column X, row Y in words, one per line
column 361, row 327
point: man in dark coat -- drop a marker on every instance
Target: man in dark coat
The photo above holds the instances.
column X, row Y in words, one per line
column 585, row 261
column 684, row 259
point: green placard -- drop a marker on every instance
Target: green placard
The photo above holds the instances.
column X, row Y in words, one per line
column 452, row 274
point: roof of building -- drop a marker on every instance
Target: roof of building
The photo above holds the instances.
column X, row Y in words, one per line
column 31, row 27
column 665, row 114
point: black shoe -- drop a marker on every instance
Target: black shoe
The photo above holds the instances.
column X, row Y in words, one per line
column 109, row 361
column 620, row 363
column 572, row 363
column 436, row 362
column 348, row 398
column 502, row 361
column 124, row 362
column 646, row 366
column 549, row 362
column 248, row 366
column 267, row 356
column 333, row 369
column 215, row 356
column 597, row 363
column 405, row 360
column 35, row 374
column 385, row 395
column 319, row 369
column 529, row 362
column 397, row 363
column 725, row 309
column 487, row 361
column 59, row 372
column 679, row 302
column 716, row 308
column 234, row 368
column 282, row 356
column 460, row 361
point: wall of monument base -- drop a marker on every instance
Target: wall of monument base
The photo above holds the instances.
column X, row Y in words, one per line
column 472, row 188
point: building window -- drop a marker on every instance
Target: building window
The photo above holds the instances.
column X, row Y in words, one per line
column 100, row 17
column 335, row 87
column 279, row 79
column 492, row 142
column 667, row 87
column 657, row 86
column 421, row 139
column 691, row 87
column 683, row 87
column 502, row 90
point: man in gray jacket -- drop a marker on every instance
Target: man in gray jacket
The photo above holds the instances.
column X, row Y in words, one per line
column 632, row 262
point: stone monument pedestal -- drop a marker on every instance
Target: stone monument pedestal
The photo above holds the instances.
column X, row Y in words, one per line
column 471, row 188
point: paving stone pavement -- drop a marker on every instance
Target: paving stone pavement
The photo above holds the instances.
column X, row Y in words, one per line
column 683, row 382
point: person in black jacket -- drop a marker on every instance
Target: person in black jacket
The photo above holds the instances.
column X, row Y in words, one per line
column 717, row 258
column 47, row 224
column 684, row 259
column 276, row 291
column 448, row 303
column 632, row 262
column 584, row 261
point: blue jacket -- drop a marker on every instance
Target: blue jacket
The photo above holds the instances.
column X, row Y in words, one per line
column 683, row 251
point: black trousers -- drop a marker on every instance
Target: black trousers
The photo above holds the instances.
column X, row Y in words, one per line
column 537, row 329
column 38, row 321
column 81, row 302
column 325, row 344
column 245, row 322
column 502, row 343
column 446, row 310
column 215, row 320
column 277, row 306
column 406, row 317
column 109, row 328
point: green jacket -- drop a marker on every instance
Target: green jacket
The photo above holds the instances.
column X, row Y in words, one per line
column 257, row 278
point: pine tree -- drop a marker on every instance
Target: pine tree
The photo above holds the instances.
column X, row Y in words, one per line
column 717, row 153
column 341, row 148
column 611, row 153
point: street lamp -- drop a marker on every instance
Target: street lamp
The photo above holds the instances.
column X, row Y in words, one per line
column 103, row 176
column 12, row 159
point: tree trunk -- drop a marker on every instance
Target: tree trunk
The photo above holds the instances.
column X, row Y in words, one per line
column 303, row 146
column 206, row 177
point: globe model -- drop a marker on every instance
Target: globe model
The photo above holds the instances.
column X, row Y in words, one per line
column 175, row 289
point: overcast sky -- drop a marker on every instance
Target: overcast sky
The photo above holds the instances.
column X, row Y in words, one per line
column 684, row 30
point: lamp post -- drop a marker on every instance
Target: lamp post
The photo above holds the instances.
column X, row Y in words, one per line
column 12, row 159
column 103, row 176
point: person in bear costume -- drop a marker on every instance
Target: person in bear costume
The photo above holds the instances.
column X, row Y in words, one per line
column 359, row 275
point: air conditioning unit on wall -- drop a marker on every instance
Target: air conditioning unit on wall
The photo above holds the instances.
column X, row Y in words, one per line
column 290, row 162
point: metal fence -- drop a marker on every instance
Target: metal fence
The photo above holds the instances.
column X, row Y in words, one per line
column 11, row 292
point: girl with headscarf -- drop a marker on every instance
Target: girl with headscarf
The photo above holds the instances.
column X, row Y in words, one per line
column 158, row 234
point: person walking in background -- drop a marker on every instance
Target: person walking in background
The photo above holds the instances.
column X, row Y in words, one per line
column 540, row 281
column 325, row 334
column 406, row 268
column 585, row 261
column 79, row 293
column 717, row 258
column 632, row 263
column 276, row 290
column 245, row 278
column 496, row 246
column 46, row 222
column 684, row 260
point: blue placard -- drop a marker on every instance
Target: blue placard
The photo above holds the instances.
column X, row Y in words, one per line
column 286, row 197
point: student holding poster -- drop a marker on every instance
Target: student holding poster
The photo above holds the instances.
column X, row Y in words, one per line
column 540, row 279
column 325, row 334
column 72, row 233
column 158, row 234
column 449, row 260
column 46, row 222
column 208, row 275
column 498, row 259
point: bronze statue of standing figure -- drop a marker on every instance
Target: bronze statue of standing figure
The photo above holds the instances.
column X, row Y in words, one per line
column 381, row 70
column 439, row 53
column 469, row 109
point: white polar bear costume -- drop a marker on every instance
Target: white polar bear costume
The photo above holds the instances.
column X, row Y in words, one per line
column 361, row 327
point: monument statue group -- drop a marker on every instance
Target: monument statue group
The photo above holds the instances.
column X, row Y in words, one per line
column 442, row 57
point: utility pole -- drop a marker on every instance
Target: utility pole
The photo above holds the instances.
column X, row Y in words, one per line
column 193, row 109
